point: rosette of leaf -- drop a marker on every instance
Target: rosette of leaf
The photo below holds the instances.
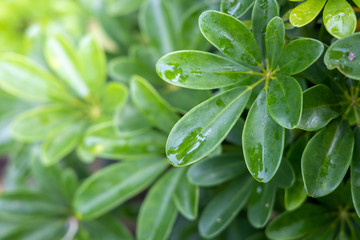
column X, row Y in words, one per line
column 277, row 106
column 331, row 108
column 330, row 217
column 42, row 208
column 339, row 16
column 69, row 97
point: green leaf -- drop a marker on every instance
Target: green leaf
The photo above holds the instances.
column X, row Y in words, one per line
column 40, row 122
column 299, row 54
column 296, row 194
column 156, row 24
column 355, row 172
column 61, row 56
column 296, row 224
column 217, row 169
column 263, row 12
column 306, row 12
column 319, row 108
column 27, row 80
column 123, row 68
column 61, row 143
column 344, row 54
column 186, row 196
column 263, row 141
column 122, row 7
column 203, row 128
column 285, row 176
column 275, row 40
column 26, row 205
column 202, row 70
column 327, row 157
column 153, row 107
column 90, row 55
column 285, row 101
column 234, row 136
column 357, row 2
column 101, row 140
column 339, row 18
column 261, row 204
column 158, row 212
column 113, row 97
column 113, row 185
column 129, row 121
column 230, row 36
column 236, row 8
column 222, row 209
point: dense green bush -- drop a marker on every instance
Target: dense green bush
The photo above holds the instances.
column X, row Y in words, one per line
column 256, row 104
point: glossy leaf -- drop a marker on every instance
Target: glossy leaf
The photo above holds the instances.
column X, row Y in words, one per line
column 217, row 169
column 114, row 96
column 234, row 135
column 339, row 18
column 115, row 184
column 102, row 140
column 61, row 143
column 27, row 80
column 299, row 54
column 261, row 204
column 152, row 105
column 38, row 123
column 285, row 101
column 202, row 70
column 274, row 40
column 236, row 8
column 91, row 54
column 158, row 212
column 344, row 55
column 61, row 56
column 203, row 128
column 296, row 194
column 285, row 176
column 319, row 108
column 327, row 157
column 230, row 36
column 263, row 12
column 355, row 172
column 306, row 12
column 263, row 141
column 296, row 224
column 186, row 196
column 215, row 219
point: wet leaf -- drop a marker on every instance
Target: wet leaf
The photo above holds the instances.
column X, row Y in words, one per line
column 306, row 12
column 299, row 54
column 263, row 141
column 202, row 70
column 230, row 36
column 285, row 101
column 263, row 12
column 261, row 204
column 319, row 108
column 327, row 158
column 204, row 127
column 215, row 219
column 344, row 54
column 274, row 39
column 339, row 18
column 236, row 8
column 113, row 185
